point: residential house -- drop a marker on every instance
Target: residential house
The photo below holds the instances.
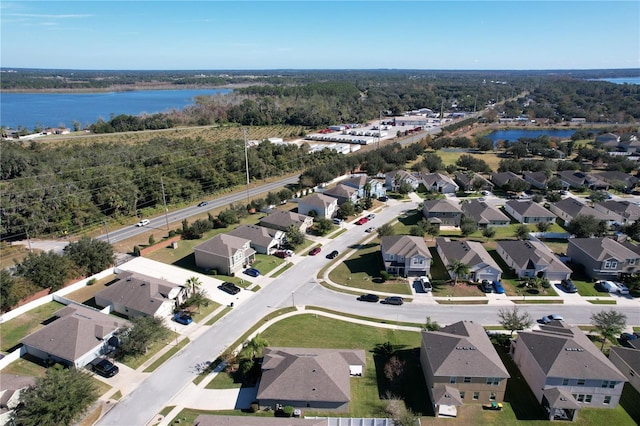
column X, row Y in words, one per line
column 484, row 214
column 135, row 295
column 467, row 181
column 225, row 253
column 566, row 371
column 581, row 180
column 532, row 259
column 604, row 258
column 343, row 193
column 282, row 220
column 442, row 212
column 263, row 240
column 567, row 209
column 405, row 255
column 11, row 388
column 536, row 179
column 619, row 179
column 627, row 360
column 629, row 212
column 438, row 182
column 76, row 336
column 235, row 420
column 366, row 186
column 528, row 212
column 461, row 366
column 608, row 140
column 503, row 179
column 309, row 378
column 322, row 205
column 393, row 179
column 630, row 145
column 471, row 253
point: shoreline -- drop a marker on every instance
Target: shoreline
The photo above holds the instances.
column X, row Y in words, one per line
column 120, row 88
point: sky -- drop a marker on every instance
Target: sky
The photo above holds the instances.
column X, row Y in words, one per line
column 255, row 35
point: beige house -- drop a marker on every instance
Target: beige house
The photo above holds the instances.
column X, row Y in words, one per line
column 263, row 240
column 528, row 212
column 568, row 208
column 471, row 253
column 343, row 193
column 135, row 295
column 627, row 360
column 604, row 258
column 532, row 259
column 405, row 255
column 324, row 206
column 461, row 366
column 566, row 371
column 225, row 253
column 442, row 212
column 283, row 219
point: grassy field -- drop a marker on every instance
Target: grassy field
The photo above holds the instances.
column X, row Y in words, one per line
column 23, row 325
column 490, row 158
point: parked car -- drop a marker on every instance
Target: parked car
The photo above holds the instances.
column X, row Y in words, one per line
column 370, row 230
column 425, row 284
column 369, row 298
column 280, row 254
column 497, row 287
column 252, row 272
column 143, row 222
column 486, row 286
column 362, row 221
column 203, row 203
column 384, row 199
column 315, row 251
column 182, row 318
column 337, row 221
column 547, row 319
column 608, row 286
column 393, row 300
column 371, row 216
column 104, row 367
column 230, row 288
column 568, row 286
column 333, row 254
column 622, row 289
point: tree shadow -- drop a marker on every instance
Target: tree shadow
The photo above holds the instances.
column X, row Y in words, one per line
column 369, row 263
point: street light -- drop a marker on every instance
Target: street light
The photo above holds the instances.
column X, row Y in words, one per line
column 293, row 299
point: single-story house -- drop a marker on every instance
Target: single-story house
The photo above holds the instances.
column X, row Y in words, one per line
column 504, row 179
column 438, row 182
column 604, row 258
column 484, row 214
column 536, row 179
column 467, row 181
column 343, row 193
column 282, row 220
column 629, row 212
column 225, row 253
column 528, row 212
column 567, row 209
column 566, row 371
column 405, row 255
column 578, row 180
column 627, row 360
column 366, row 186
column 263, row 240
column 322, row 205
column 134, row 295
column 11, row 388
column 472, row 253
column 393, row 179
column 442, row 212
column 309, row 378
column 76, row 336
column 614, row 177
column 532, row 259
column 461, row 366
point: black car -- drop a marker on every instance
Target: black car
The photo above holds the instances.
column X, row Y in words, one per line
column 230, row 288
column 568, row 286
column 369, row 298
column 393, row 300
column 104, row 367
column 486, row 286
column 333, row 254
column 599, row 286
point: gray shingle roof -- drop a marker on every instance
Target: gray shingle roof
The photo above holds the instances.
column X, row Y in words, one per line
column 603, row 248
column 284, row 219
column 629, row 356
column 318, row 200
column 256, row 234
column 503, row 178
column 471, row 253
column 574, row 207
column 483, row 213
column 340, row 190
column 441, row 205
column 405, row 245
column 524, row 252
column 462, row 349
column 529, row 209
column 568, row 353
column 224, row 245
column 625, row 209
column 560, row 398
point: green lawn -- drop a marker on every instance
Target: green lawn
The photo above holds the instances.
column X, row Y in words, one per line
column 136, row 361
column 266, row 263
column 16, row 329
column 203, row 311
column 405, row 222
column 171, row 352
column 362, row 271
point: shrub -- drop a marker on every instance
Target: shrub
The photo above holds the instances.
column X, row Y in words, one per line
column 255, row 407
column 152, row 240
column 92, row 281
column 384, row 275
column 136, row 251
column 288, row 410
column 172, row 233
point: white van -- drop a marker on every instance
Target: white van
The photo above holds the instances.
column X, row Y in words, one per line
column 425, row 283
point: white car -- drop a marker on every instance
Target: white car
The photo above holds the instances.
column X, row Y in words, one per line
column 608, row 286
column 425, row 283
column 143, row 222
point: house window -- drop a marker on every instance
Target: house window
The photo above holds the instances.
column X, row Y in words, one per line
column 493, row 380
column 607, row 400
column 611, row 264
column 565, row 382
column 579, row 397
column 492, row 396
column 580, row 382
column 462, row 395
column 587, row 399
column 476, row 395
column 452, row 379
column 466, row 380
column 632, row 261
column 608, row 384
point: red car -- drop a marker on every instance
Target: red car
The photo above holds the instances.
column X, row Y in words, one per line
column 315, row 251
column 362, row 221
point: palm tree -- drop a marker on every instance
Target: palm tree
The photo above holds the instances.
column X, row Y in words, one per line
column 367, row 190
column 458, row 269
column 255, row 345
column 193, row 284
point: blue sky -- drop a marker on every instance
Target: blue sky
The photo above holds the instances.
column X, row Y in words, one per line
column 203, row 35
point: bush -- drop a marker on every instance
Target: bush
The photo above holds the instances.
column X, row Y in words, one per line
column 92, row 281
column 254, row 407
column 384, row 275
column 152, row 240
column 136, row 251
column 288, row 410
column 172, row 233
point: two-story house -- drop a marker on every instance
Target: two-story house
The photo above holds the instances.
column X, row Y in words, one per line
column 470, row 181
column 532, row 259
column 318, row 205
column 227, row 254
column 568, row 208
column 405, row 255
column 282, row 220
column 628, row 212
column 604, row 258
column 366, row 186
column 442, row 212
column 471, row 253
column 343, row 193
column 536, row 179
column 438, row 182
column 528, row 212
column 566, row 371
column 581, row 180
column 461, row 366
column 393, row 179
column 263, row 240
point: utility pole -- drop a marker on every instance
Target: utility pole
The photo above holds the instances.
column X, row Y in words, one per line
column 26, row 231
column 106, row 230
column 246, row 162
column 164, row 202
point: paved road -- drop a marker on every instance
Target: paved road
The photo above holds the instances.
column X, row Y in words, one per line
column 297, row 286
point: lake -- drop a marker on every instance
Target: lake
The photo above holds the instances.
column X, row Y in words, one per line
column 515, row 134
column 62, row 109
column 619, row 80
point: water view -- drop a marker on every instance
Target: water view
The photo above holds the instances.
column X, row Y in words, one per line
column 620, row 80
column 515, row 134
column 62, row 109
